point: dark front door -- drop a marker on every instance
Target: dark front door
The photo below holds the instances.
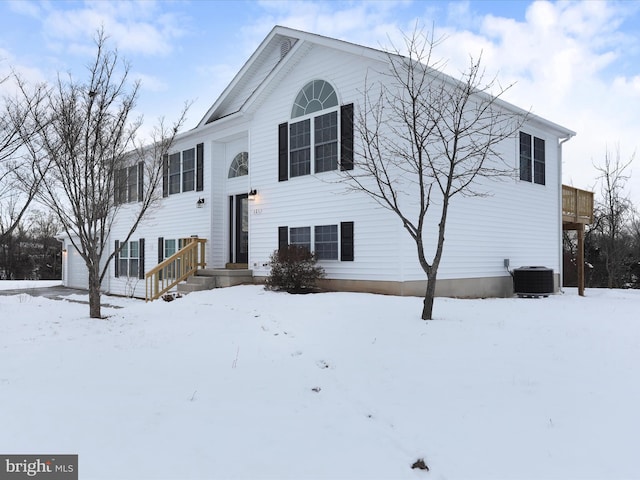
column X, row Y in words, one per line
column 240, row 229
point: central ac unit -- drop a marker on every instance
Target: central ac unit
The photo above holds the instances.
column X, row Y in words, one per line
column 533, row 281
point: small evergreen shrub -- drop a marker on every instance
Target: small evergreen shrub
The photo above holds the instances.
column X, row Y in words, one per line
column 294, row 270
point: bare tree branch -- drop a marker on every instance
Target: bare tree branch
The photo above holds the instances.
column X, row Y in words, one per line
column 20, row 176
column 427, row 138
column 88, row 138
column 613, row 216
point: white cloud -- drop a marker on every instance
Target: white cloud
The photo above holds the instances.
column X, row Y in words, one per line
column 9, row 66
column 575, row 63
column 149, row 82
column 30, row 9
column 561, row 58
column 134, row 26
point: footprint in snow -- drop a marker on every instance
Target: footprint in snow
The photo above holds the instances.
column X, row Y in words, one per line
column 322, row 364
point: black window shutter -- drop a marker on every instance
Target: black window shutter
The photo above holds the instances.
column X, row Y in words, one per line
column 116, row 187
column 140, row 181
column 117, row 259
column 165, row 175
column 283, row 152
column 200, row 167
column 346, row 241
column 160, row 249
column 346, row 137
column 141, row 259
column 283, row 237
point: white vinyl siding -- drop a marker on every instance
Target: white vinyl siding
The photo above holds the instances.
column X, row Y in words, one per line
column 516, row 219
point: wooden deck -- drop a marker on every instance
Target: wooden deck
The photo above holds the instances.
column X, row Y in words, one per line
column 577, row 211
column 577, row 206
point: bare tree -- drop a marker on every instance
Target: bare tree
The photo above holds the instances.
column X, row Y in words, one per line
column 20, row 177
column 90, row 140
column 635, row 252
column 613, row 216
column 426, row 139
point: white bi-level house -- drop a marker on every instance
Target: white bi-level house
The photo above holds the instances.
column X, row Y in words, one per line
column 261, row 169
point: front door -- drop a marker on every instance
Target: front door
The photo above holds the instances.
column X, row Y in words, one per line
column 239, row 231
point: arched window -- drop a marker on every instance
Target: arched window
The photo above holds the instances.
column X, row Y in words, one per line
column 314, row 96
column 239, row 165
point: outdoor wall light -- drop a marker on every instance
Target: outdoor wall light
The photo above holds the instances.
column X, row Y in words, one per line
column 253, row 193
column 200, row 203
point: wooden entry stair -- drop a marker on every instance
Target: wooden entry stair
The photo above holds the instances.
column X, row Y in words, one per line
column 185, row 271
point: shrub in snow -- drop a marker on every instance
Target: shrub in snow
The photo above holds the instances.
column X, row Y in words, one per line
column 294, row 270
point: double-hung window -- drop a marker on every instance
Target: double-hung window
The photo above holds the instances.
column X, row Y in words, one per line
column 326, row 242
column 129, row 259
column 169, row 247
column 300, row 236
column 132, row 183
column 169, row 250
column 129, row 262
column 300, row 148
column 174, row 173
column 325, row 128
column 188, row 170
column 183, row 171
column 128, row 184
column 532, row 159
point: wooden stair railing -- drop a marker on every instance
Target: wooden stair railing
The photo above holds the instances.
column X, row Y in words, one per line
column 175, row 269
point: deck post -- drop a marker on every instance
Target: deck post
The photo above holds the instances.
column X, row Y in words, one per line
column 580, row 259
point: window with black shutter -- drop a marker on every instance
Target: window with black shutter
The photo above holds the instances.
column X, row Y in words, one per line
column 183, row 171
column 532, row 159
column 325, row 239
column 319, row 137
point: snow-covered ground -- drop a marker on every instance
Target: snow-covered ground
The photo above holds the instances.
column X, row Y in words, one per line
column 246, row 383
column 27, row 284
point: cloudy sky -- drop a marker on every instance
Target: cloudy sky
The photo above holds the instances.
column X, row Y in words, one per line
column 574, row 63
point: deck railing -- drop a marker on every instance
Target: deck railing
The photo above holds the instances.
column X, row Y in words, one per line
column 175, row 269
column 577, row 205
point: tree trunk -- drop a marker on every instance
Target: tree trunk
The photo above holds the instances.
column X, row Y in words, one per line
column 427, row 309
column 94, row 292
